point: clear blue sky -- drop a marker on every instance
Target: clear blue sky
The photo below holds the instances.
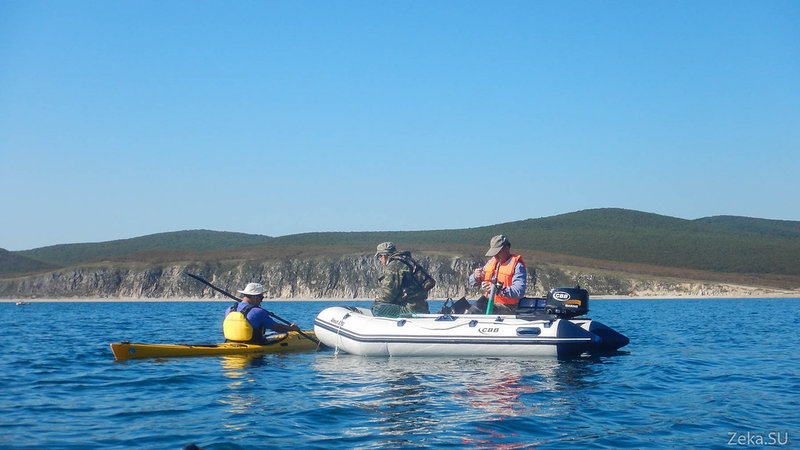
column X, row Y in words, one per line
column 121, row 119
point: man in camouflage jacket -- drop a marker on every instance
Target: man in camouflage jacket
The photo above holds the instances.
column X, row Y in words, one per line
column 400, row 293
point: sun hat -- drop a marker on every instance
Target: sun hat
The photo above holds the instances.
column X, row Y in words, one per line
column 497, row 243
column 385, row 248
column 253, row 289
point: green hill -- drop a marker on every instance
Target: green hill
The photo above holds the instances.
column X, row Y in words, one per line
column 636, row 237
column 725, row 244
column 617, row 235
column 68, row 254
column 13, row 263
column 778, row 228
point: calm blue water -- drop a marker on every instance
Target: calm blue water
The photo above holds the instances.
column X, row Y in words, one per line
column 696, row 371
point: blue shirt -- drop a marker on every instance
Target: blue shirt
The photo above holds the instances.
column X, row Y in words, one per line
column 257, row 316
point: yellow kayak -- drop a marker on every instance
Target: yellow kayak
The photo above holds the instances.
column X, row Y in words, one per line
column 280, row 343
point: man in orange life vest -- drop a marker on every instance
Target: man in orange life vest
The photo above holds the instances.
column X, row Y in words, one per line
column 506, row 269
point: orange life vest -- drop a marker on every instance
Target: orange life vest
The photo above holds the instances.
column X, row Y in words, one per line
column 505, row 275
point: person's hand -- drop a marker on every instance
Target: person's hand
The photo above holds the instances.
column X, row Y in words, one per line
column 486, row 285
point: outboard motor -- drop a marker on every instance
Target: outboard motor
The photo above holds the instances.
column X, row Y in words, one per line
column 567, row 302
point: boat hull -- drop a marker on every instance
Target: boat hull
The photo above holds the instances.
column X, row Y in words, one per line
column 356, row 331
column 281, row 343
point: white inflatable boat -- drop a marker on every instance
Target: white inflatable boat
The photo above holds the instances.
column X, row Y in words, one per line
column 542, row 327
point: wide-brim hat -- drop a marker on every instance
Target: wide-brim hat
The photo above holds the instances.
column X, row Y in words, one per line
column 252, row 289
column 497, row 243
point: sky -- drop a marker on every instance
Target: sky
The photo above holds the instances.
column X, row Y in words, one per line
column 123, row 119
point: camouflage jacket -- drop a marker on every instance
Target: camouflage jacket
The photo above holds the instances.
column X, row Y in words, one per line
column 398, row 285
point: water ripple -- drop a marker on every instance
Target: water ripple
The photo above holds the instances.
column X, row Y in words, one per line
column 694, row 372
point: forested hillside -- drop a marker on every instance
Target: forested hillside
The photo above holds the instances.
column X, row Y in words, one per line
column 12, row 263
column 724, row 244
column 68, row 254
column 742, row 245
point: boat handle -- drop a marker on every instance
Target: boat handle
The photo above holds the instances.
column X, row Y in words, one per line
column 529, row 331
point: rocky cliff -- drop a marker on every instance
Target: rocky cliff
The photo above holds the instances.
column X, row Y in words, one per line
column 345, row 277
column 352, row 277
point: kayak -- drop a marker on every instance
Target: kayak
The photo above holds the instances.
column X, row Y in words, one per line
column 280, row 343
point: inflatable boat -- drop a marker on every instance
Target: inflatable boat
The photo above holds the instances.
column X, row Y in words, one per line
column 542, row 327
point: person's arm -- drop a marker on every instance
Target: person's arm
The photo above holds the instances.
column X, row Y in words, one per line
column 263, row 318
column 518, row 282
column 476, row 277
column 281, row 328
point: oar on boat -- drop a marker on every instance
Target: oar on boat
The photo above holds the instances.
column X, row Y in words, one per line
column 239, row 300
column 492, row 293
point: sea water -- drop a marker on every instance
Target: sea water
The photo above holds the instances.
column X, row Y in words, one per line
column 708, row 373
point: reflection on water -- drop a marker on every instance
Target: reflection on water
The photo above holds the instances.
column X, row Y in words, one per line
column 404, row 396
column 235, row 365
column 499, row 394
column 239, row 397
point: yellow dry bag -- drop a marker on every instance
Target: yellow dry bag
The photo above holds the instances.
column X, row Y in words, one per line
column 236, row 327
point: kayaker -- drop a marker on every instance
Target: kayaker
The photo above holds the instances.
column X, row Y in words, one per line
column 404, row 284
column 504, row 268
column 250, row 321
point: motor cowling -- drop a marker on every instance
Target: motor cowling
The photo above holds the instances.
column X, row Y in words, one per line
column 567, row 302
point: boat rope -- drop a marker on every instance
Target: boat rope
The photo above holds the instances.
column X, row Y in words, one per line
column 338, row 334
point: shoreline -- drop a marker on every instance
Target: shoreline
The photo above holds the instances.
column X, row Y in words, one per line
column 288, row 300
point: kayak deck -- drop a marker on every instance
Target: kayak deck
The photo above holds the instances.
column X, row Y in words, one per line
column 280, row 343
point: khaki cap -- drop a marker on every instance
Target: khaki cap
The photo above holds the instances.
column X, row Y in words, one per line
column 497, row 243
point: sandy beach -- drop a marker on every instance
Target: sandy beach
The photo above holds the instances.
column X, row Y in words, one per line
column 217, row 300
column 788, row 296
